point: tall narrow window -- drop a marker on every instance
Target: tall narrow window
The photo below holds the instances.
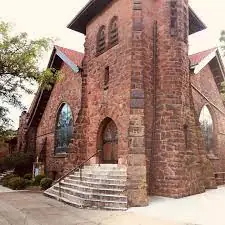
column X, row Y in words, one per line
column 101, row 40
column 206, row 123
column 113, row 31
column 106, row 78
column 173, row 18
column 64, row 129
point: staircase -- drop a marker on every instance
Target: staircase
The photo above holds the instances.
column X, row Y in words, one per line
column 8, row 172
column 96, row 187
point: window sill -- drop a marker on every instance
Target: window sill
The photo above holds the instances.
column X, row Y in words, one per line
column 106, row 49
column 60, row 155
column 212, row 156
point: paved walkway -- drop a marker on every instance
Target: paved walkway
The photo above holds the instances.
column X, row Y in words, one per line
column 25, row 208
column 203, row 209
column 4, row 189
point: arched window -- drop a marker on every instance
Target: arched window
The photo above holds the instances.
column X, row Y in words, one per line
column 101, row 40
column 206, row 123
column 113, row 31
column 64, row 129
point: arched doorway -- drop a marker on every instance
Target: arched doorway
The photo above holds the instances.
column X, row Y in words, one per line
column 108, row 142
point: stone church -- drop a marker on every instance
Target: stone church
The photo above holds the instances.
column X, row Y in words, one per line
column 135, row 96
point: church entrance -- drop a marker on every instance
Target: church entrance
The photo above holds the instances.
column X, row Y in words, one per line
column 108, row 142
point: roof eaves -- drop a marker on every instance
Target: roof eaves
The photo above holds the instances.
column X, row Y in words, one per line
column 197, row 21
column 72, row 65
column 80, row 13
column 204, row 61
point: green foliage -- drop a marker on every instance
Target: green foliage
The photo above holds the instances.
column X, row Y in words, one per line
column 28, row 182
column 222, row 40
column 38, row 179
column 6, row 179
column 17, row 183
column 19, row 68
column 28, row 176
column 46, row 183
column 5, row 122
column 21, row 162
column 222, row 90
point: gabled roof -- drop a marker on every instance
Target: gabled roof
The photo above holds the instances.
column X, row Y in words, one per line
column 74, row 56
column 198, row 57
column 59, row 54
column 212, row 58
column 94, row 7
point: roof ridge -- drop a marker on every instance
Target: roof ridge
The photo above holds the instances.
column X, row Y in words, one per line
column 207, row 50
column 57, row 46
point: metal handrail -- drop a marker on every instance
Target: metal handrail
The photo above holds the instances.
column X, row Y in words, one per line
column 74, row 169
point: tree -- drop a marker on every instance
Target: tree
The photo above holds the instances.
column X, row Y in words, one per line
column 222, row 40
column 19, row 68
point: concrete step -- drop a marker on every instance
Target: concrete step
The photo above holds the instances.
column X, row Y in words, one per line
column 84, row 203
column 95, row 184
column 2, row 175
column 106, row 166
column 93, row 175
column 99, row 190
column 91, row 196
column 101, row 180
column 99, row 187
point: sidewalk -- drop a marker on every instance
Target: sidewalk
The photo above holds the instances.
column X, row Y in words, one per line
column 25, row 208
column 4, row 189
column 202, row 209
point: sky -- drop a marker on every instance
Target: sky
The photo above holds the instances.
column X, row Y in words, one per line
column 49, row 18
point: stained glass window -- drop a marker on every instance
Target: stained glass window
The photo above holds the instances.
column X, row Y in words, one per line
column 64, row 129
column 206, row 123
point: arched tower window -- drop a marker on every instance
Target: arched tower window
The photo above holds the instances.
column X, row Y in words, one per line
column 206, row 123
column 101, row 40
column 113, row 31
column 64, row 129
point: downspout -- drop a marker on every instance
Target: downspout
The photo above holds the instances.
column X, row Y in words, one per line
column 155, row 65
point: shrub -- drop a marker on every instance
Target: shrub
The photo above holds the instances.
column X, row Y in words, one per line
column 20, row 161
column 28, row 176
column 46, row 183
column 6, row 179
column 38, row 179
column 28, row 182
column 17, row 183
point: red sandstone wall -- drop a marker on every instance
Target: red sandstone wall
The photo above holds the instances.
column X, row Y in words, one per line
column 67, row 89
column 124, row 100
column 115, row 101
column 177, row 160
column 208, row 93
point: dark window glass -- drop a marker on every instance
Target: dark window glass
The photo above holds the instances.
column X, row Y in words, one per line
column 64, row 129
column 106, row 77
column 206, row 123
column 101, row 40
column 113, row 32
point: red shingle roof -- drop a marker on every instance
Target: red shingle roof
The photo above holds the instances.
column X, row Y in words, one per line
column 198, row 57
column 74, row 56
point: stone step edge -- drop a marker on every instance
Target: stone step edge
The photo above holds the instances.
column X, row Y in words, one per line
column 85, row 193
column 105, row 165
column 97, row 174
column 73, row 175
column 91, row 200
column 72, row 203
column 92, row 188
column 88, row 182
